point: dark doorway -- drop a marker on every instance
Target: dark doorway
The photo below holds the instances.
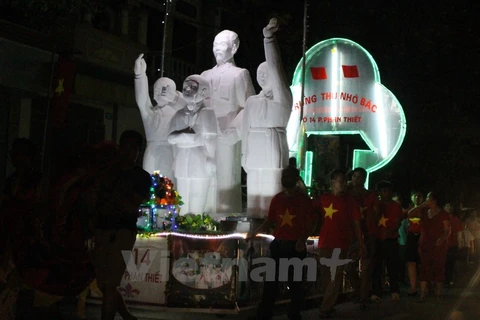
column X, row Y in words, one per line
column 331, row 152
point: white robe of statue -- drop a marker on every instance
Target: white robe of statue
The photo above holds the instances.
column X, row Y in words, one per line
column 156, row 119
column 230, row 88
column 264, row 139
column 193, row 134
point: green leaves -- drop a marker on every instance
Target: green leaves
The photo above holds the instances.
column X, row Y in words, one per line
column 196, row 222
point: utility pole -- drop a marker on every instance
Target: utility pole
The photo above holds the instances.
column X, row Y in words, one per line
column 168, row 6
column 301, row 134
column 304, row 49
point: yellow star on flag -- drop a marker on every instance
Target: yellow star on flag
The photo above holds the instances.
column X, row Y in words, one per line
column 287, row 218
column 383, row 221
column 59, row 88
column 334, row 50
column 415, row 220
column 329, row 211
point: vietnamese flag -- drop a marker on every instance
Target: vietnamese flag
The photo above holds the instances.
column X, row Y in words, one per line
column 350, row 71
column 62, row 88
column 318, row 73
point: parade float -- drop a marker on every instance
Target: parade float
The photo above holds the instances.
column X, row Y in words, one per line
column 189, row 256
column 191, row 253
column 193, row 262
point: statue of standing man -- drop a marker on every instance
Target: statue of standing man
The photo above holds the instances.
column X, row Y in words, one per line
column 156, row 118
column 264, row 139
column 230, row 88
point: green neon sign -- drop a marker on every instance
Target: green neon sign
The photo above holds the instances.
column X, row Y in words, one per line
column 343, row 95
column 308, row 168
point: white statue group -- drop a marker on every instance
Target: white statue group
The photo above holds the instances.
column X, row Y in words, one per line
column 202, row 136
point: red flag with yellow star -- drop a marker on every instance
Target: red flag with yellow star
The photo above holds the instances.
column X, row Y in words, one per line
column 62, row 88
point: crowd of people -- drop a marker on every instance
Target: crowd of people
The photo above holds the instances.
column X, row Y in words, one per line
column 49, row 225
column 383, row 243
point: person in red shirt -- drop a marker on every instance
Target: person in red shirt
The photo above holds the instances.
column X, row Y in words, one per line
column 292, row 213
column 340, row 217
column 391, row 216
column 368, row 203
column 433, row 243
column 413, row 235
column 456, row 227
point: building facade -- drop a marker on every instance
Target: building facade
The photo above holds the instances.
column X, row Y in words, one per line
column 86, row 58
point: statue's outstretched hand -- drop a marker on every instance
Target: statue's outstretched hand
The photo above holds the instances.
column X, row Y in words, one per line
column 271, row 28
column 140, row 66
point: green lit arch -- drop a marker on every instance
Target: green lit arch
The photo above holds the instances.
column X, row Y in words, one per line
column 370, row 159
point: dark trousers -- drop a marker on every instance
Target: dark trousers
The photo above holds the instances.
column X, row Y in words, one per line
column 402, row 267
column 450, row 264
column 361, row 282
column 281, row 249
column 332, row 284
column 388, row 253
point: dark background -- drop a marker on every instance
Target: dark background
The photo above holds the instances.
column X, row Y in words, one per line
column 427, row 55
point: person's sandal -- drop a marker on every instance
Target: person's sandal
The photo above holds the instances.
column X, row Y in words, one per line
column 422, row 300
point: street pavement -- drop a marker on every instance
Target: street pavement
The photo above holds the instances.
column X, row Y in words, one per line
column 461, row 302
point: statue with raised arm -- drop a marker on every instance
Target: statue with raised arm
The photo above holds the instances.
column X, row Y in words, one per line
column 264, row 139
column 156, row 118
column 193, row 134
column 231, row 86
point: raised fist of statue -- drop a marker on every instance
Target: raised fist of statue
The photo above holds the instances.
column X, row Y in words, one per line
column 140, row 66
column 272, row 27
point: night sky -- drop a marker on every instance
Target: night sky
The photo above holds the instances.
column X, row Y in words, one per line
column 427, row 54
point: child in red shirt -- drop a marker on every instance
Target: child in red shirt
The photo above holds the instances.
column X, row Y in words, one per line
column 456, row 228
column 433, row 243
column 414, row 228
column 391, row 216
column 368, row 203
column 292, row 213
column 340, row 217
